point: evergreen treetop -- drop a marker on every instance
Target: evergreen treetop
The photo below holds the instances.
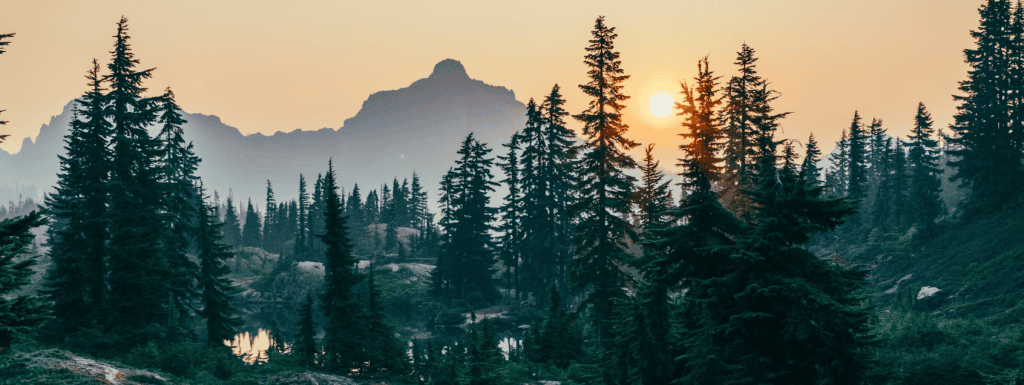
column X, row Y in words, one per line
column 604, row 189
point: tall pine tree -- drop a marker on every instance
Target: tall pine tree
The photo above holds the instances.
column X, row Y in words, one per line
column 251, row 234
column 215, row 288
column 987, row 157
column 466, row 265
column 605, row 189
column 76, row 280
column 232, row 227
column 138, row 264
column 344, row 329
column 512, row 213
column 923, row 162
column 22, row 314
column 178, row 164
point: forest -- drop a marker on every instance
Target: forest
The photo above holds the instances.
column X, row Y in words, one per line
column 555, row 257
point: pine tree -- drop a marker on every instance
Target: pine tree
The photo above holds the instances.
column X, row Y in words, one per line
column 558, row 172
column 418, row 204
column 251, row 234
column 270, row 221
column 858, row 176
column 394, row 205
column 547, row 175
column 137, row 261
column 653, row 197
column 178, row 164
column 466, row 265
column 485, row 359
column 556, row 343
column 232, row 228
column 605, row 189
column 76, row 280
column 536, row 230
column 813, row 329
column 345, row 330
column 883, row 213
column 402, row 203
column 286, row 223
column 512, row 213
column 386, row 353
column 923, row 163
column 215, row 288
column 695, row 249
column 301, row 233
column 357, row 218
column 809, row 172
column 987, row 157
column 837, row 178
column 315, row 248
column 825, row 336
column 880, row 149
column 305, row 340
column 443, row 268
column 2, row 45
column 748, row 114
column 19, row 315
column 901, row 204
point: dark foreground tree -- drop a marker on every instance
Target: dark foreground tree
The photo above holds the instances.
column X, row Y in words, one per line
column 385, row 353
column 925, row 174
column 214, row 287
column 466, row 264
column 138, row 263
column 305, row 340
column 2, row 45
column 605, row 189
column 181, row 201
column 801, row 318
column 76, row 279
column 19, row 315
column 344, row 331
column 694, row 251
column 251, row 234
column 987, row 152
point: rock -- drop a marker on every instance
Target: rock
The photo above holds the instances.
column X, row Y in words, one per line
column 897, row 286
column 926, row 292
column 312, row 378
column 251, row 261
column 304, row 278
column 929, row 298
column 55, row 359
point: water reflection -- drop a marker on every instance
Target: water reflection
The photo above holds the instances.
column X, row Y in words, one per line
column 253, row 346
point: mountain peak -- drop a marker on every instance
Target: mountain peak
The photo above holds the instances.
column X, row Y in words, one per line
column 449, row 68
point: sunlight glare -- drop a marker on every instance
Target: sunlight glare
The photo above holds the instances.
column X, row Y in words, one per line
column 660, row 104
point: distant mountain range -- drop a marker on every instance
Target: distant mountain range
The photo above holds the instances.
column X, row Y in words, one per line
column 396, row 132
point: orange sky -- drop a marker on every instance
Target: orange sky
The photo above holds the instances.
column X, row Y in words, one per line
column 266, row 66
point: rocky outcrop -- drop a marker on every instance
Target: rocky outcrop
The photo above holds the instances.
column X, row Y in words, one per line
column 88, row 369
column 311, row 378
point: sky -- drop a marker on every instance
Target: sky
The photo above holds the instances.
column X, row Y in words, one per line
column 267, row 66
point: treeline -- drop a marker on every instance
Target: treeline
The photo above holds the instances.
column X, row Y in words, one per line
column 290, row 228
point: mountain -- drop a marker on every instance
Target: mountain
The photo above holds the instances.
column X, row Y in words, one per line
column 396, row 132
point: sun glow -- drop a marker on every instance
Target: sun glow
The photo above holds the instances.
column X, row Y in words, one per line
column 660, row 104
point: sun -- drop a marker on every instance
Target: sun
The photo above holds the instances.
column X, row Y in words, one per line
column 660, row 104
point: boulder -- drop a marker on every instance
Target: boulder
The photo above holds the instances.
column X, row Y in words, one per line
column 929, row 298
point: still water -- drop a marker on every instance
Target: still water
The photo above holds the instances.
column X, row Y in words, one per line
column 253, row 345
